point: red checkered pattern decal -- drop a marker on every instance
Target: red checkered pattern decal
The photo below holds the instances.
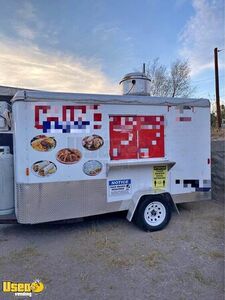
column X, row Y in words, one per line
column 136, row 137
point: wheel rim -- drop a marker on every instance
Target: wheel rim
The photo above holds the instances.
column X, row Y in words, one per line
column 155, row 213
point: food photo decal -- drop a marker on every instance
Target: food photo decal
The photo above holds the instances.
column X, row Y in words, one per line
column 68, row 156
column 44, row 168
column 92, row 167
column 92, row 142
column 43, row 143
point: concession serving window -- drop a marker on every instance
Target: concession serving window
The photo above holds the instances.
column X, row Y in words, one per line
column 136, row 137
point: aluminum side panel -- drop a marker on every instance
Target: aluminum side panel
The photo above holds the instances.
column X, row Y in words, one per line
column 37, row 203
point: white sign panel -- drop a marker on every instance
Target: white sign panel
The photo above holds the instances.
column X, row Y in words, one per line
column 119, row 187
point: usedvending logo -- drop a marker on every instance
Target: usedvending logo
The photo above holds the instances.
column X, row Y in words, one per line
column 24, row 289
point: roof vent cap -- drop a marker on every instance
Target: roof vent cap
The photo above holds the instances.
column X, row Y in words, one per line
column 136, row 83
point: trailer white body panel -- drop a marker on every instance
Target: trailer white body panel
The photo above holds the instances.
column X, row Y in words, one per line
column 77, row 155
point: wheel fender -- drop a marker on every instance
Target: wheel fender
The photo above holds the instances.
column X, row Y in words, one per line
column 138, row 197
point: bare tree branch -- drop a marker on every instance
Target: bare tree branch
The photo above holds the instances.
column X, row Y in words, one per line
column 175, row 82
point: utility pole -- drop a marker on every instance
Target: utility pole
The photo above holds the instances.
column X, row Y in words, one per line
column 218, row 110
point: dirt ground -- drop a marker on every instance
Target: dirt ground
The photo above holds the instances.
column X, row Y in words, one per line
column 218, row 134
column 107, row 257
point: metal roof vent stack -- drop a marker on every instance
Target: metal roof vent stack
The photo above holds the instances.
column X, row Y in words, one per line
column 137, row 83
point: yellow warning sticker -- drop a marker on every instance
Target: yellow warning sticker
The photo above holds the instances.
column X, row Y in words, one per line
column 159, row 177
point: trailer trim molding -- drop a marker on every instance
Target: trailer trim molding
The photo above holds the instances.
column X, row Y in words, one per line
column 192, row 197
column 37, row 96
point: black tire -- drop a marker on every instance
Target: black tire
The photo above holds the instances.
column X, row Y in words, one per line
column 153, row 213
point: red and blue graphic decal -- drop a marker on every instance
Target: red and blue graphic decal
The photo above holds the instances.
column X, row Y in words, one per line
column 67, row 118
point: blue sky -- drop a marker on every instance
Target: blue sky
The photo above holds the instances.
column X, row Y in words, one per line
column 87, row 45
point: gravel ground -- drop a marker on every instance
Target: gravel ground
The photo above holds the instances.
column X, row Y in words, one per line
column 107, row 257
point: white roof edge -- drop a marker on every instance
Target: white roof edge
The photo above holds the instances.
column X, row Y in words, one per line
column 9, row 90
column 27, row 95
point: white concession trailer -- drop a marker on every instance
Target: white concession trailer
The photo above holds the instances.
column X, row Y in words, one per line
column 76, row 155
